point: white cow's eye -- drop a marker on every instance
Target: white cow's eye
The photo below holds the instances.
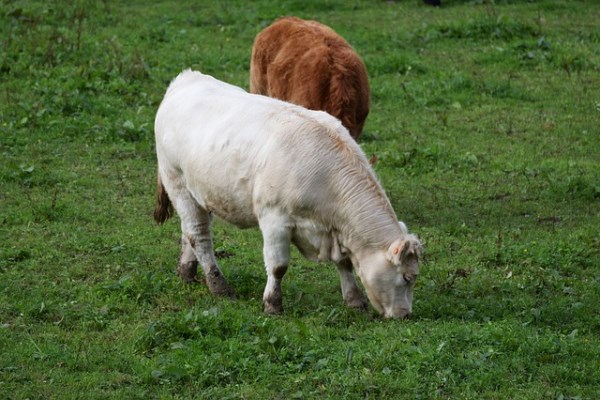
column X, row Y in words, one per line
column 407, row 278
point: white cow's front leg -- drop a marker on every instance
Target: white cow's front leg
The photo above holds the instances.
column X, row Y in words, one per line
column 276, row 251
column 352, row 295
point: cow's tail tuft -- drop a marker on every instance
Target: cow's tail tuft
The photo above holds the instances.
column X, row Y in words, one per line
column 164, row 208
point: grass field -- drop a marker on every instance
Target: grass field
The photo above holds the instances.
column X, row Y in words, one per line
column 486, row 123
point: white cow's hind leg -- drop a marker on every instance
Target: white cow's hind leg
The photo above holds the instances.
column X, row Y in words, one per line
column 352, row 295
column 197, row 233
column 188, row 264
column 276, row 250
column 196, row 240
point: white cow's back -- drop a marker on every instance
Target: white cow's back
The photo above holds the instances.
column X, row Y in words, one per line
column 238, row 153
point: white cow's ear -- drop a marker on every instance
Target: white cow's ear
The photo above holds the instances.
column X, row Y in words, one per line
column 394, row 252
column 401, row 249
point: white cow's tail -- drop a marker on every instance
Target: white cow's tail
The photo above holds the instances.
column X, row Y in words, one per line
column 164, row 208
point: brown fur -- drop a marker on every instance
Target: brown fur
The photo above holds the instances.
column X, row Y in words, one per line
column 307, row 63
column 164, row 208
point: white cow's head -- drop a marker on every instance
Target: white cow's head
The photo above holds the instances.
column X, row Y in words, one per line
column 389, row 276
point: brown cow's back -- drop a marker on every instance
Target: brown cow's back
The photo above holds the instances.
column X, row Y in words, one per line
column 307, row 63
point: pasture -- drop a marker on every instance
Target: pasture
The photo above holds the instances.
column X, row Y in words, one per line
column 485, row 121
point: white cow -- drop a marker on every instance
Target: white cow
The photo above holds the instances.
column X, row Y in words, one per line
column 297, row 174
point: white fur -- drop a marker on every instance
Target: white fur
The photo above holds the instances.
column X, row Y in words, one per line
column 297, row 174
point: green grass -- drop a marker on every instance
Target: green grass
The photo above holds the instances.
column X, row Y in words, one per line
column 485, row 121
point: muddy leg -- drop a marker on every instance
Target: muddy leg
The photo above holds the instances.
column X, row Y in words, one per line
column 276, row 251
column 272, row 297
column 196, row 241
column 200, row 240
column 188, row 264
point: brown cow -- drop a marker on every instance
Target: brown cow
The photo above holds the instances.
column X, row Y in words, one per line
column 307, row 63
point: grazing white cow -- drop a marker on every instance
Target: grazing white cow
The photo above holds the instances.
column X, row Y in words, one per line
column 297, row 174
